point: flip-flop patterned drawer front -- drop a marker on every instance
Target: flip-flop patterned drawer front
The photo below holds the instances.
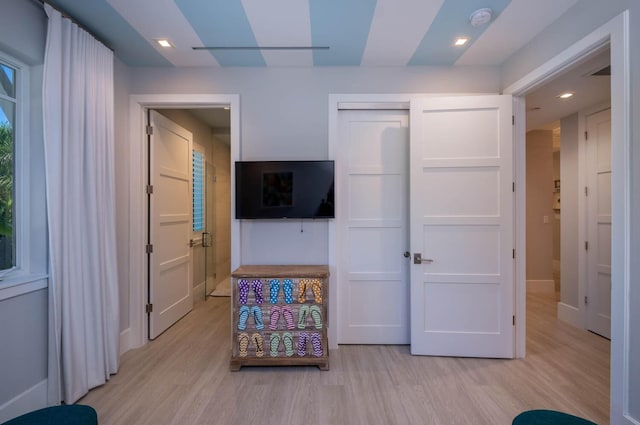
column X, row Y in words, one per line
column 279, row 316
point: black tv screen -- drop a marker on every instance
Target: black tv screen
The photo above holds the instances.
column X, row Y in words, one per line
column 284, row 189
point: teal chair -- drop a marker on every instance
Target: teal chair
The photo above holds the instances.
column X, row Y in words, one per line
column 548, row 417
column 73, row 414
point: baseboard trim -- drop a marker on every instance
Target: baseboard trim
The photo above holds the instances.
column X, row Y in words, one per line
column 541, row 286
column 32, row 399
column 126, row 343
column 198, row 291
column 569, row 314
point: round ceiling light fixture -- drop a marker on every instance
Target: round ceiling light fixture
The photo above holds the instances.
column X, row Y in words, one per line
column 480, row 17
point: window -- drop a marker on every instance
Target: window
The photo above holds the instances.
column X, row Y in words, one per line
column 23, row 216
column 8, row 108
column 198, row 191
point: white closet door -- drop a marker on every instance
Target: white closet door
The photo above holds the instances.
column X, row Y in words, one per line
column 461, row 221
column 373, row 180
column 170, row 288
column 599, row 223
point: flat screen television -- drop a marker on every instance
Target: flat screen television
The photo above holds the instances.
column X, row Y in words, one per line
column 284, row 189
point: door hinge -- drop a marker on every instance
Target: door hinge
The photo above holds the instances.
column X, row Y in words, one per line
column 149, row 130
column 586, row 191
column 149, row 189
column 149, row 249
column 514, row 320
column 513, row 186
column 586, row 299
column 586, row 245
column 148, row 308
column 513, row 254
column 586, row 135
column 513, row 120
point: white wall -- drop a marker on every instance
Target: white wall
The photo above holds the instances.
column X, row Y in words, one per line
column 23, row 29
column 23, row 350
column 539, row 205
column 23, row 319
column 121, row 150
column 284, row 115
column 569, row 233
column 579, row 21
column 222, row 206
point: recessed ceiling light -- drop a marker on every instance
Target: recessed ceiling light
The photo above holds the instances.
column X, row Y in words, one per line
column 566, row 95
column 461, row 41
column 163, row 42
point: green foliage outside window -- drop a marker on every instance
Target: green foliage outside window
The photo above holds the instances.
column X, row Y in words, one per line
column 6, row 196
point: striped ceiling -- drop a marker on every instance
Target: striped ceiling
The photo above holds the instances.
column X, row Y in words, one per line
column 343, row 32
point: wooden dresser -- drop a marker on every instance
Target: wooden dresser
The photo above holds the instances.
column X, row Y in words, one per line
column 279, row 316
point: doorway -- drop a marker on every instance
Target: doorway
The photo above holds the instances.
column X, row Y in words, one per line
column 136, row 335
column 212, row 193
column 568, row 184
column 460, row 211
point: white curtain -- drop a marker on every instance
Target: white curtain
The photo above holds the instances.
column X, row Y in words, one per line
column 80, row 180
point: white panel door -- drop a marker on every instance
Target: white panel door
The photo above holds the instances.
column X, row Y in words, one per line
column 461, row 221
column 599, row 223
column 170, row 286
column 373, row 177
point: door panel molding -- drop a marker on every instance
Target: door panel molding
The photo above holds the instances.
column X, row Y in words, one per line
column 170, row 223
column 372, row 188
column 460, row 208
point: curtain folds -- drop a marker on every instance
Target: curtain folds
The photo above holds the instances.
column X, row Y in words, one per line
column 80, row 180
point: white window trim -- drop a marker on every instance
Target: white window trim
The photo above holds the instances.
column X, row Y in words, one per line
column 22, row 278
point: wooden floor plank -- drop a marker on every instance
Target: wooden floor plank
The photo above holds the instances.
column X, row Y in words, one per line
column 183, row 377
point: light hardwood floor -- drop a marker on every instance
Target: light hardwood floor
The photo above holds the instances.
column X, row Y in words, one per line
column 183, row 378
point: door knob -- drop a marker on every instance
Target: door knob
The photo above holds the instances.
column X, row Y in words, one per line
column 406, row 254
column 417, row 259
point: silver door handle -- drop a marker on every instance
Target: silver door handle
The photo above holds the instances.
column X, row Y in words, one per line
column 417, row 259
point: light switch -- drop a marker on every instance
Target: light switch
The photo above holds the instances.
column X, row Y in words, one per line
column 545, row 219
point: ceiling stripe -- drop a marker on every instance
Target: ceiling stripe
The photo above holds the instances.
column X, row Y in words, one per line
column 129, row 46
column 510, row 33
column 397, row 29
column 452, row 21
column 281, row 23
column 173, row 26
column 223, row 23
column 344, row 27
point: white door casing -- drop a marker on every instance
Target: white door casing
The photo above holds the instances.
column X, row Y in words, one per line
column 170, row 285
column 373, row 175
column 461, row 221
column 598, row 143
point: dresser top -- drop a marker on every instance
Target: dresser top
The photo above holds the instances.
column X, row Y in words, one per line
column 281, row 271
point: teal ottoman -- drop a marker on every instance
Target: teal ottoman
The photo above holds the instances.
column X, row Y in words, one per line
column 73, row 414
column 548, row 417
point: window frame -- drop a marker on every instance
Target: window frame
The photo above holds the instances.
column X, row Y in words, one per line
column 30, row 271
